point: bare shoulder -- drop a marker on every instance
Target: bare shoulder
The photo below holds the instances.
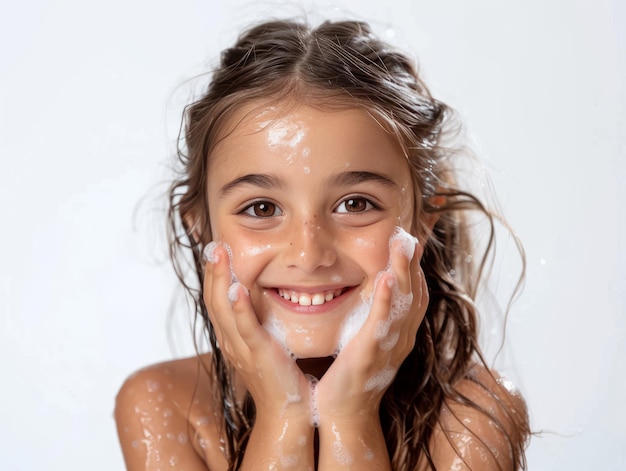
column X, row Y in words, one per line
column 165, row 417
column 487, row 429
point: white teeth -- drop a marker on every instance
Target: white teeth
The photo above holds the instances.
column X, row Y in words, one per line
column 304, row 299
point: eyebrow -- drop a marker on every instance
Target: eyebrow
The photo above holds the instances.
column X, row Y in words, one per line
column 354, row 178
column 268, row 181
column 254, row 179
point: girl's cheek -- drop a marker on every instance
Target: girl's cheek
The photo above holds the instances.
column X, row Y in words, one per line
column 247, row 258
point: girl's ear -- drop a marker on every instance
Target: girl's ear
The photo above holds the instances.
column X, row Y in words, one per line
column 192, row 227
column 435, row 201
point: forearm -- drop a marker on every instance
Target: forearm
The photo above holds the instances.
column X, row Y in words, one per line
column 278, row 443
column 355, row 443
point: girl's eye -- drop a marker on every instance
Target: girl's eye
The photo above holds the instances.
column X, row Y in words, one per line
column 262, row 209
column 354, row 205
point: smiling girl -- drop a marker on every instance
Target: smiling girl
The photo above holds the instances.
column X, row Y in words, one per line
column 334, row 274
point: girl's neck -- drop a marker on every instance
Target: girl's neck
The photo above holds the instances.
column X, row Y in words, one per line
column 315, row 366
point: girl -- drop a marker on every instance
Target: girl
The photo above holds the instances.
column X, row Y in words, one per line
column 335, row 274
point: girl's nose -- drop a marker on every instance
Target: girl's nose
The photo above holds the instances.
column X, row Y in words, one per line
column 311, row 246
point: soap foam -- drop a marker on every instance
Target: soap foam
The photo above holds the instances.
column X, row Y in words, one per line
column 405, row 240
column 211, row 257
column 233, row 291
column 400, row 303
column 315, row 413
column 277, row 330
column 341, row 455
column 353, row 323
column 256, row 250
column 209, row 252
column 380, row 380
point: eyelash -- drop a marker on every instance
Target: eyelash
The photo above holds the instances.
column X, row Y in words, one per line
column 250, row 209
column 369, row 205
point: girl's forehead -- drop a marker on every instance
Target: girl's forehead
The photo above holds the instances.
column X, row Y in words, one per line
column 290, row 124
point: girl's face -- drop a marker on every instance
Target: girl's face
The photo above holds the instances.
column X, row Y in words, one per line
column 307, row 200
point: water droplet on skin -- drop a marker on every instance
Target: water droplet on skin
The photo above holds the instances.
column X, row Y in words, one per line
column 302, row 254
column 135, row 443
column 307, row 170
column 152, row 386
column 182, row 438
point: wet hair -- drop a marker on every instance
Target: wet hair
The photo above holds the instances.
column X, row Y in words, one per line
column 341, row 65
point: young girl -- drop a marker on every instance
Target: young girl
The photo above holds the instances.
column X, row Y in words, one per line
column 335, row 275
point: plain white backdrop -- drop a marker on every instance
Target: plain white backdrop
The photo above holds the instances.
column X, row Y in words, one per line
column 90, row 97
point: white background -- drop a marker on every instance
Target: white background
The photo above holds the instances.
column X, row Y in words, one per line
column 90, row 96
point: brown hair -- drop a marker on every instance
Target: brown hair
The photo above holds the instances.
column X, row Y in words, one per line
column 342, row 64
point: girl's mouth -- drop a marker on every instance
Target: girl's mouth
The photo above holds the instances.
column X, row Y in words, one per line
column 310, row 299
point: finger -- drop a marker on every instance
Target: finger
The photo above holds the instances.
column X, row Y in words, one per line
column 377, row 325
column 217, row 282
column 248, row 326
column 403, row 254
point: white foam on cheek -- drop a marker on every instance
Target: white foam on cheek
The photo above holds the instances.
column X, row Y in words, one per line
column 277, row 330
column 255, row 250
column 364, row 243
column 381, row 380
column 353, row 323
column 405, row 241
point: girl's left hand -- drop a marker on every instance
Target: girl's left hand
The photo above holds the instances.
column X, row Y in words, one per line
column 355, row 383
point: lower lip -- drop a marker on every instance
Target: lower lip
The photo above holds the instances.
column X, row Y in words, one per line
column 312, row 309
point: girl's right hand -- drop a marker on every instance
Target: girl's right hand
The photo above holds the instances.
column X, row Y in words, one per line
column 277, row 385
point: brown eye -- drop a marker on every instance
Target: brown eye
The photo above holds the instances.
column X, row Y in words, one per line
column 263, row 209
column 354, row 205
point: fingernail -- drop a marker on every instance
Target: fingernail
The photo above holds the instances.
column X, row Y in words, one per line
column 233, row 291
column 209, row 253
column 391, row 280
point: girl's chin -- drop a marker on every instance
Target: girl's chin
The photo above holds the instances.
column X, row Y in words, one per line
column 308, row 349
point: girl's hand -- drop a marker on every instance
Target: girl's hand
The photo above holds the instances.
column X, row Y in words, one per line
column 272, row 377
column 355, row 383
